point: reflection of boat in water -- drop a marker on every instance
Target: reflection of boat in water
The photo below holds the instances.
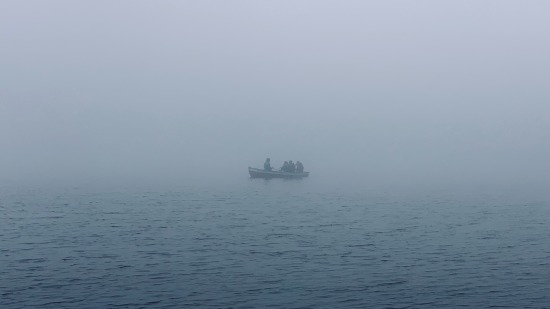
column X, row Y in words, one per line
column 260, row 173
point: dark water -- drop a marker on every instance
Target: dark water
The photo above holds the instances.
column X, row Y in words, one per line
column 271, row 244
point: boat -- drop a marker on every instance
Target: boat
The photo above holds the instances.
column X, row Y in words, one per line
column 261, row 173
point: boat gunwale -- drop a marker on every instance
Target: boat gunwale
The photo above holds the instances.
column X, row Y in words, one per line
column 266, row 173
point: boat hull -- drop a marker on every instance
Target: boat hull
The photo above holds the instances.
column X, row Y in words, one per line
column 259, row 173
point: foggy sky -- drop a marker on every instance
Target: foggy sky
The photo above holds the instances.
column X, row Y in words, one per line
column 435, row 92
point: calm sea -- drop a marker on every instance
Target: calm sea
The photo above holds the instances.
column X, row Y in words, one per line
column 281, row 244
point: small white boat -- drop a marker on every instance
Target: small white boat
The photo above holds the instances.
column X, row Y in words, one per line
column 261, row 173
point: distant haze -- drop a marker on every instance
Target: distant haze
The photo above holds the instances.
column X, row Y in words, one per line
column 430, row 92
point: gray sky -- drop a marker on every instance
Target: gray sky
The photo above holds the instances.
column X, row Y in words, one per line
column 434, row 92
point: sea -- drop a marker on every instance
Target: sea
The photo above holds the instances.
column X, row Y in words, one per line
column 273, row 244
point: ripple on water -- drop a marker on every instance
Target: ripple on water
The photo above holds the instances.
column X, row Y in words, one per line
column 259, row 248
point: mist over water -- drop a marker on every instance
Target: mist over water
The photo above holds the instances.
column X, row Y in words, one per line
column 126, row 130
column 407, row 93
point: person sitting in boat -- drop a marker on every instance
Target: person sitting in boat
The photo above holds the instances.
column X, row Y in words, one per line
column 285, row 167
column 291, row 166
column 267, row 165
column 299, row 167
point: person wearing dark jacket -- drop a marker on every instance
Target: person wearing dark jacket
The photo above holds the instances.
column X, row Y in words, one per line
column 267, row 165
column 291, row 166
column 285, row 167
column 299, row 167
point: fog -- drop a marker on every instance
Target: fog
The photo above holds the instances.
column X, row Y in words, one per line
column 368, row 92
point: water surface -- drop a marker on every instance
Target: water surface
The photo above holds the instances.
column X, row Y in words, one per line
column 271, row 244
